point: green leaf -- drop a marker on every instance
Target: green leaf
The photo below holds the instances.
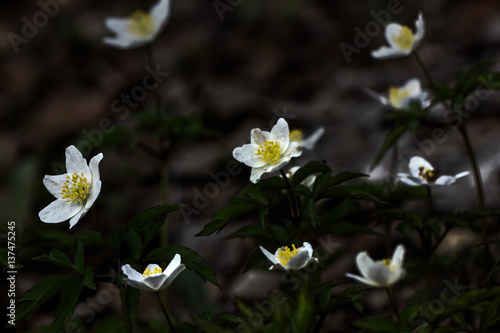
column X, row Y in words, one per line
column 349, row 192
column 67, row 303
column 377, row 324
column 494, row 271
column 56, row 257
column 490, row 315
column 343, row 177
column 39, row 294
column 308, row 170
column 351, row 228
column 91, row 238
column 78, row 254
column 133, row 239
column 189, row 258
column 88, row 278
column 131, row 300
column 389, row 141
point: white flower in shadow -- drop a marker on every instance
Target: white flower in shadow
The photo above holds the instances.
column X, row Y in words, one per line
column 423, row 173
column 293, row 259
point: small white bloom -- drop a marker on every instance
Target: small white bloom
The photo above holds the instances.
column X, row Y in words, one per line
column 138, row 29
column 75, row 191
column 401, row 40
column 268, row 151
column 382, row 273
column 307, row 182
column 153, row 279
column 423, row 173
column 400, row 97
column 287, row 259
column 309, row 142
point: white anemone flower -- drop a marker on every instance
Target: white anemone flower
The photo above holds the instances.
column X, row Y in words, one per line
column 400, row 97
column 153, row 278
column 423, row 173
column 287, row 259
column 75, row 191
column 309, row 142
column 307, row 182
column 382, row 273
column 401, row 40
column 268, row 151
column 138, row 29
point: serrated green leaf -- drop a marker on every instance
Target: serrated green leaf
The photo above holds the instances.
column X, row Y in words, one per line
column 133, row 239
column 189, row 258
column 39, row 294
column 67, row 303
column 88, row 278
column 131, row 300
column 56, row 257
column 389, row 141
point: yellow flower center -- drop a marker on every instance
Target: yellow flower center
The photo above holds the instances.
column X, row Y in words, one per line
column 269, row 152
column 405, row 38
column 75, row 188
column 387, row 263
column 141, row 24
column 148, row 273
column 427, row 174
column 296, row 136
column 285, row 254
column 396, row 95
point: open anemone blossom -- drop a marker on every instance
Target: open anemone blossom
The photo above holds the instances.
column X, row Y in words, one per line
column 382, row 273
column 309, row 142
column 138, row 29
column 401, row 40
column 287, row 259
column 423, row 173
column 75, row 191
column 153, row 278
column 268, row 151
column 400, row 97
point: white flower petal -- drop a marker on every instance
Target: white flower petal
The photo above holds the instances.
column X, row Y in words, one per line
column 462, row 174
column 364, row 262
column 420, row 31
column 122, row 43
column 311, row 140
column 156, row 282
column 173, row 274
column 362, row 280
column 160, row 13
column 172, row 266
column 398, row 255
column 54, row 184
column 381, row 98
column 74, row 220
column 256, row 173
column 258, row 137
column 393, row 30
column 246, row 155
column 118, row 25
column 416, row 162
column 132, row 274
column 413, row 87
column 385, row 52
column 139, row 285
column 380, row 274
column 94, row 168
column 411, row 181
column 299, row 260
column 76, row 163
column 59, row 211
column 281, row 133
column 444, row 180
column 269, row 256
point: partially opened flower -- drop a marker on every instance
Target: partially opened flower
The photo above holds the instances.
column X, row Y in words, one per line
column 75, row 191
column 153, row 278
column 423, row 173
column 268, row 151
column 401, row 40
column 400, row 97
column 381, row 273
column 287, row 259
column 138, row 29
column 309, row 142
column 307, row 182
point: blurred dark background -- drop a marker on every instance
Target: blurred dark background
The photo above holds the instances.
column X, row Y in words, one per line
column 234, row 71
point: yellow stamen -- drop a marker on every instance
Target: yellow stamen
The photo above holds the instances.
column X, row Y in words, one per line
column 148, row 273
column 141, row 25
column 396, row 96
column 387, row 263
column 296, row 136
column 427, row 174
column 75, row 188
column 285, row 254
column 269, row 152
column 405, row 38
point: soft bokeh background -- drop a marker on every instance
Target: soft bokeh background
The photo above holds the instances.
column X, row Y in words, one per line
column 263, row 60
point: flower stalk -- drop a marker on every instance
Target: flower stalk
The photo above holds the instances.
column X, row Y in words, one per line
column 165, row 313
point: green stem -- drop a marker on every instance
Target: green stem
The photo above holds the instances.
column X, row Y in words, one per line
column 392, row 301
column 429, row 197
column 319, row 324
column 165, row 313
column 424, row 69
column 294, row 205
column 128, row 324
